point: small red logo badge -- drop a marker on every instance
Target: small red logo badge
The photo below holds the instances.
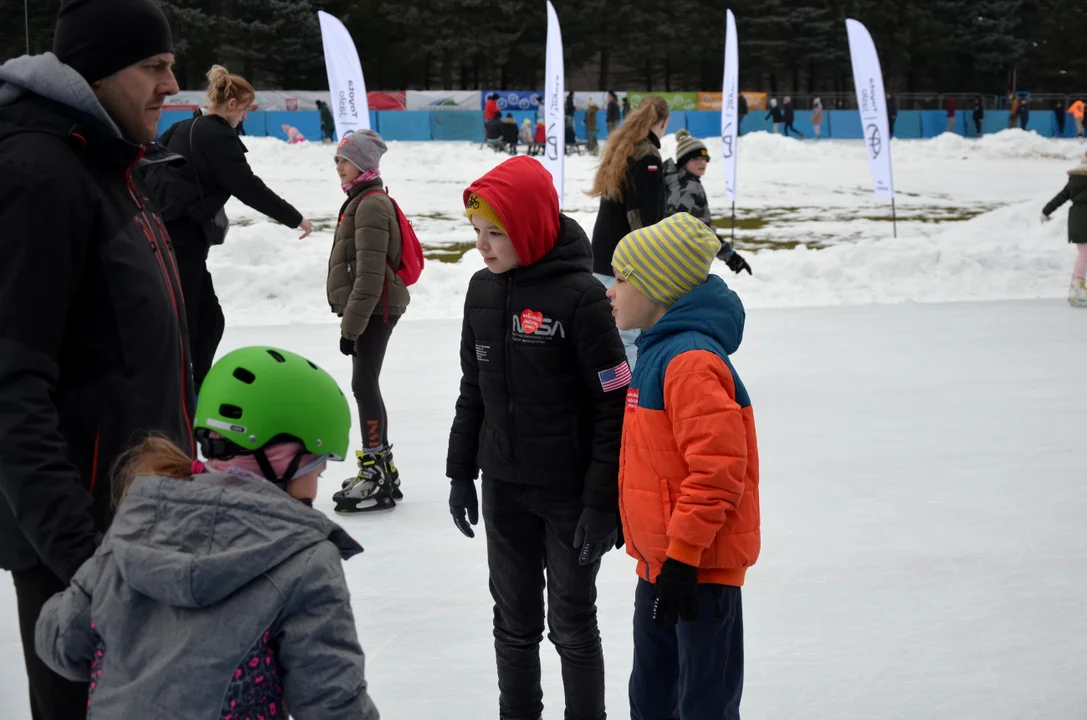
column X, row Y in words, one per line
column 632, row 399
column 531, row 321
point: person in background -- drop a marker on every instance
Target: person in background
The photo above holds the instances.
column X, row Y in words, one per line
column 817, row 117
column 689, row 473
column 219, row 591
column 1076, row 191
column 774, row 114
column 328, row 123
column 493, row 131
column 548, row 384
column 192, row 197
column 93, row 342
column 950, row 106
column 630, row 185
column 1013, row 111
column 741, row 113
column 789, row 117
column 510, row 133
column 892, row 112
column 1024, row 113
column 1076, row 111
column 979, row 115
column 685, row 193
column 370, row 297
column 541, row 135
column 612, row 119
column 1060, row 116
column 570, row 104
column 526, row 135
column 490, row 108
column 591, row 119
column 626, row 107
column 294, row 135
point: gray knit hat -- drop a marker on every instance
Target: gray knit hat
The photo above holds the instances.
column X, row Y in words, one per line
column 688, row 148
column 363, row 149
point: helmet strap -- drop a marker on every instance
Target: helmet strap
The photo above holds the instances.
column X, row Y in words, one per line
column 270, row 473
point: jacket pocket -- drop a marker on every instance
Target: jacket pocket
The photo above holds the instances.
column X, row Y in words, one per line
column 667, row 502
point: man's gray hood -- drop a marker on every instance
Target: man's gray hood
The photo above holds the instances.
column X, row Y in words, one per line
column 192, row 543
column 48, row 77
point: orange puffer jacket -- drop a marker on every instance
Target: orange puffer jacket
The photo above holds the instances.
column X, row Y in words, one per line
column 689, row 466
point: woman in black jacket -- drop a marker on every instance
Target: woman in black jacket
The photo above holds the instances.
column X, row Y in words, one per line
column 630, row 185
column 191, row 197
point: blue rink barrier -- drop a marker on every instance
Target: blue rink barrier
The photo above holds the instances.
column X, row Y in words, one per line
column 467, row 125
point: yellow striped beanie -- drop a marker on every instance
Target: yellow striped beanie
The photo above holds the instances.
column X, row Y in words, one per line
column 667, row 260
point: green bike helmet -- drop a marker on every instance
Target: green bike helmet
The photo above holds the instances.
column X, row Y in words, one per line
column 255, row 396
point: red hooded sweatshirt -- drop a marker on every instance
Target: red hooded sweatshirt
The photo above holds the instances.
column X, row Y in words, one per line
column 523, row 195
column 491, row 109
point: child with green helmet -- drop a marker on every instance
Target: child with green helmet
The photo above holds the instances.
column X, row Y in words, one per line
column 210, row 562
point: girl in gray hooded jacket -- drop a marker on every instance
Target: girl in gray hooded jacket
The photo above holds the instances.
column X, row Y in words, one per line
column 218, row 593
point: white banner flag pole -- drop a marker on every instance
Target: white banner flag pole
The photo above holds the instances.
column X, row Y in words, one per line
column 730, row 92
column 554, row 112
column 349, row 107
column 872, row 104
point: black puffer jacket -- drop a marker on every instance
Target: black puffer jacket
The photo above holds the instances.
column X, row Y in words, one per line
column 642, row 204
column 219, row 158
column 93, row 347
column 1076, row 191
column 532, row 407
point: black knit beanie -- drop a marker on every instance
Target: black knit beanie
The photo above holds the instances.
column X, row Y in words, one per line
column 100, row 37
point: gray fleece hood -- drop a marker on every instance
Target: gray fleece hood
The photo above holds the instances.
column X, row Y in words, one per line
column 48, row 77
column 192, row 543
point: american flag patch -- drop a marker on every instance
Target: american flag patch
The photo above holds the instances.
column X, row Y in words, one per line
column 615, row 378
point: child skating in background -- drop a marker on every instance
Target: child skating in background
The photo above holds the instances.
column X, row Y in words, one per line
column 689, row 473
column 369, row 296
column 218, row 592
column 294, row 135
column 684, row 192
column 540, row 413
column 1076, row 191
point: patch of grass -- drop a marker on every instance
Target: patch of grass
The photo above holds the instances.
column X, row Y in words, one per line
column 448, row 253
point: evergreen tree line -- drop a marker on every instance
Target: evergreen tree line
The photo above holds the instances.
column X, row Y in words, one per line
column 786, row 46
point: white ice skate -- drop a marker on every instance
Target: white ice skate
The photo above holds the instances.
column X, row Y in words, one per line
column 1077, row 294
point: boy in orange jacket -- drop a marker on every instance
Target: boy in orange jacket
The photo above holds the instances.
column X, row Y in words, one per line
column 688, row 473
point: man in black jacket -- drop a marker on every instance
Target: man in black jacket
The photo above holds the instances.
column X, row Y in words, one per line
column 540, row 413
column 92, row 332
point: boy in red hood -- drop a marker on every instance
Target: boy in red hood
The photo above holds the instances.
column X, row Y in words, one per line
column 540, row 413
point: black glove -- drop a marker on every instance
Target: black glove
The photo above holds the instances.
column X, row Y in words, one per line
column 675, row 593
column 464, row 505
column 596, row 534
column 347, row 347
column 737, row 264
column 619, row 539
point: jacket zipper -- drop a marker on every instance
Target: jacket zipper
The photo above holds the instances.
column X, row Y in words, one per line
column 509, row 373
column 149, row 233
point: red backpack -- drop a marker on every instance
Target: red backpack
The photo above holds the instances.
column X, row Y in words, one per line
column 411, row 250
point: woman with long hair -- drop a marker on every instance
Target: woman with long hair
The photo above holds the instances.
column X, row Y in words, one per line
column 630, row 185
column 192, row 197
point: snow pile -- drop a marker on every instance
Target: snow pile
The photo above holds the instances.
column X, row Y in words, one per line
column 1010, row 144
column 264, row 274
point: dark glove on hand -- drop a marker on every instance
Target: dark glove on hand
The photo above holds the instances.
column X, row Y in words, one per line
column 464, row 505
column 619, row 539
column 675, row 593
column 347, row 347
column 596, row 534
column 737, row 264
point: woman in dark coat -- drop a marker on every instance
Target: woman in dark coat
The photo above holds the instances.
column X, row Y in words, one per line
column 1076, row 191
column 191, row 197
column 630, row 185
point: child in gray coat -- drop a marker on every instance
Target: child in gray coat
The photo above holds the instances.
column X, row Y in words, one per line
column 683, row 184
column 218, row 592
